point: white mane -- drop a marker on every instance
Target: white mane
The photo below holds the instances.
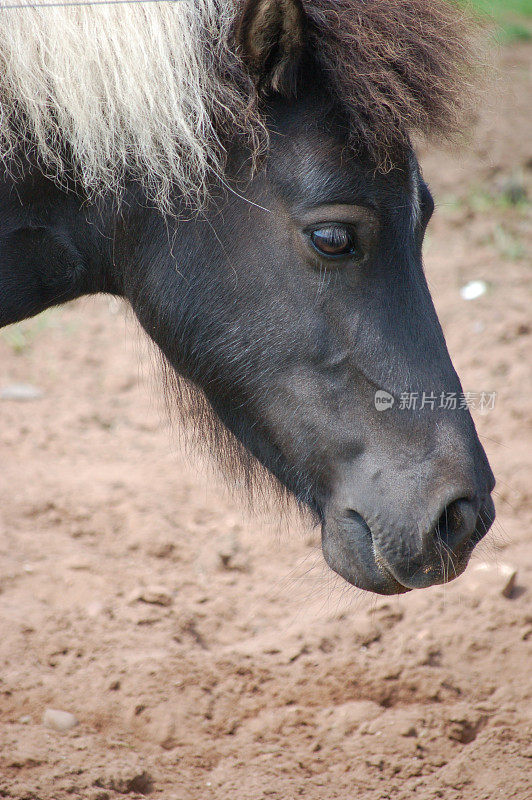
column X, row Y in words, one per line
column 153, row 90
column 132, row 88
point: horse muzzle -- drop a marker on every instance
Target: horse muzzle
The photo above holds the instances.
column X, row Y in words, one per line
column 391, row 550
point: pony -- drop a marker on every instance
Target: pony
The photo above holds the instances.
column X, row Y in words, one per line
column 242, row 173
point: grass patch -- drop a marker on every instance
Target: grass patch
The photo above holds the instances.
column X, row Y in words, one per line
column 500, row 8
column 510, row 195
column 512, row 18
column 21, row 335
column 513, row 32
column 508, row 244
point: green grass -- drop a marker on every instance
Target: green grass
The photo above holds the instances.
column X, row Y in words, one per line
column 508, row 244
column 523, row 7
column 510, row 195
column 510, row 32
column 21, row 336
column 512, row 18
column 500, row 8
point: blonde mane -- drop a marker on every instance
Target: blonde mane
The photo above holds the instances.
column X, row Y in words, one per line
column 107, row 91
column 155, row 91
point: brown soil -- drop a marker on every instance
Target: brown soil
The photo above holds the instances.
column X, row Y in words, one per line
column 207, row 656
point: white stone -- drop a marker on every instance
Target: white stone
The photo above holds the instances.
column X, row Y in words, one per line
column 57, row 720
column 473, row 290
column 482, row 577
column 20, row 391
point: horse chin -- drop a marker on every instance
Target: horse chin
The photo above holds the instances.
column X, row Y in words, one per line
column 351, row 554
column 355, row 561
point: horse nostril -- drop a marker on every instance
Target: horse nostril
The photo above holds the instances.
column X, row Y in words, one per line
column 457, row 523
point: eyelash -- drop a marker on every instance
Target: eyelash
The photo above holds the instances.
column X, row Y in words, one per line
column 339, row 232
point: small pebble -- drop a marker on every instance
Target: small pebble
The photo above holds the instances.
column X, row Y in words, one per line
column 483, row 576
column 510, row 577
column 473, row 290
column 60, row 721
column 20, row 391
column 94, row 609
column 153, row 595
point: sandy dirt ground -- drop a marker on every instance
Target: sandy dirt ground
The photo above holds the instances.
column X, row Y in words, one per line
column 208, row 653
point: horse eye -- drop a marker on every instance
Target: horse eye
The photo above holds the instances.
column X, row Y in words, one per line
column 334, row 240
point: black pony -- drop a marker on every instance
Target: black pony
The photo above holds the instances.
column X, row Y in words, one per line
column 242, row 173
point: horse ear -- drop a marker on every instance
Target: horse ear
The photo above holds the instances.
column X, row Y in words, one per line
column 270, row 34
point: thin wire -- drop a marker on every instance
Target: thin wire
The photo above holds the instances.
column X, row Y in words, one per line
column 83, row 3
